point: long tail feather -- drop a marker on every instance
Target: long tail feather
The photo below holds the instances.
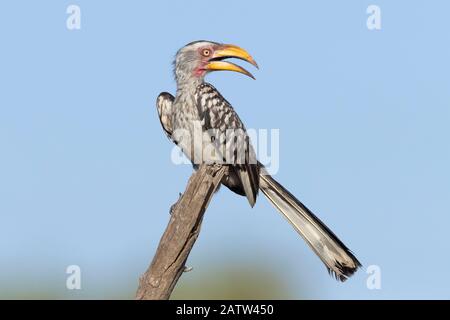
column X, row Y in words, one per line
column 339, row 260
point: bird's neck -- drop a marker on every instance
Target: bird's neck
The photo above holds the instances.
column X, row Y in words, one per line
column 188, row 86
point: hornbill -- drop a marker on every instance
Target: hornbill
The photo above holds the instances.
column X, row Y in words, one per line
column 198, row 106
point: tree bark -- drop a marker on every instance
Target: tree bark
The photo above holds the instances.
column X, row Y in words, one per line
column 158, row 282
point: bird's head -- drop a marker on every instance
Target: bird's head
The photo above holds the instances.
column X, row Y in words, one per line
column 198, row 58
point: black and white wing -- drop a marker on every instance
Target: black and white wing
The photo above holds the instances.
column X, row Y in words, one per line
column 227, row 130
column 164, row 104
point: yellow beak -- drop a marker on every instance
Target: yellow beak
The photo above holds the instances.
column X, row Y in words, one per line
column 230, row 51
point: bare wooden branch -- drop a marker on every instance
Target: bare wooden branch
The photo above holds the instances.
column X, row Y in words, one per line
column 158, row 282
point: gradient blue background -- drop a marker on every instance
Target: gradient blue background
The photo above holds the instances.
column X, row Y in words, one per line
column 85, row 170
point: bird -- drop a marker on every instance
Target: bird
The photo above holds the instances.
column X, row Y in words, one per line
column 198, row 117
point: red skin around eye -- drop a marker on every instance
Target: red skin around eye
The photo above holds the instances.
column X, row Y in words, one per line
column 200, row 71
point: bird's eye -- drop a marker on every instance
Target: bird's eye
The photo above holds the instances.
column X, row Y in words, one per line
column 206, row 52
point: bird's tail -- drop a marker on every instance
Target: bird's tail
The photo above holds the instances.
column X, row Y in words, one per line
column 338, row 259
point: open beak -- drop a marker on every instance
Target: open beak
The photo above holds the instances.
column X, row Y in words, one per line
column 226, row 51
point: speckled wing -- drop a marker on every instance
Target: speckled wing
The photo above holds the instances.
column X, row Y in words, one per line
column 228, row 132
column 164, row 104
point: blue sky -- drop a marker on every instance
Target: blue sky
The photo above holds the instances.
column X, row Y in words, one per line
column 85, row 169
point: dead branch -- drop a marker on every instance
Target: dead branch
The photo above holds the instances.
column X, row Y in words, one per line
column 158, row 282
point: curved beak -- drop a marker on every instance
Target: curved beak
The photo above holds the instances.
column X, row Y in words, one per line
column 226, row 51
